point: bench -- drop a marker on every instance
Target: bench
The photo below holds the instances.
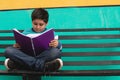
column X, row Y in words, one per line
column 86, row 52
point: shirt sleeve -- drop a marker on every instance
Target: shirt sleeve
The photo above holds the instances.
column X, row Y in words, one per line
column 59, row 43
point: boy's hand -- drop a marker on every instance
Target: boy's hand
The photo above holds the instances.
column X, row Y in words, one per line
column 16, row 45
column 53, row 43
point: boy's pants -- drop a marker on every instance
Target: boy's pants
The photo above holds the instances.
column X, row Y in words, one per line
column 34, row 63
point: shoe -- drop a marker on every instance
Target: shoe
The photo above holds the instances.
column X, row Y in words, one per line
column 9, row 64
column 53, row 65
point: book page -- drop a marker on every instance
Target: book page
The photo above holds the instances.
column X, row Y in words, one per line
column 19, row 32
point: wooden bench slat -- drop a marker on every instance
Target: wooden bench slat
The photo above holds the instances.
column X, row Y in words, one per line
column 6, row 38
column 77, row 54
column 5, row 45
column 2, row 55
column 85, row 63
column 8, row 31
column 91, row 63
column 71, row 37
column 89, row 37
column 73, row 30
column 1, row 62
column 107, row 72
column 87, row 29
column 97, row 45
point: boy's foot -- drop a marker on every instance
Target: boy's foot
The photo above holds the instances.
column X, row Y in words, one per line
column 54, row 65
column 9, row 64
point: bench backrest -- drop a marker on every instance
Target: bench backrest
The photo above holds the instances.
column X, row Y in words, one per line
column 83, row 49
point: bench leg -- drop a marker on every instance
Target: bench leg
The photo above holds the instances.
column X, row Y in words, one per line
column 31, row 77
column 24, row 77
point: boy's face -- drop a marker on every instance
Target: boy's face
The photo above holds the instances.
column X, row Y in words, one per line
column 38, row 25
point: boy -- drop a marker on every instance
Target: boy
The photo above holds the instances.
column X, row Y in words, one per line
column 48, row 60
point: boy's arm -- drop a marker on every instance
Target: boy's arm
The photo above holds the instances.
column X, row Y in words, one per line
column 59, row 45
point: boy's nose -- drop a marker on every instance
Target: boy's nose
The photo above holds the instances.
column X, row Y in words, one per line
column 37, row 26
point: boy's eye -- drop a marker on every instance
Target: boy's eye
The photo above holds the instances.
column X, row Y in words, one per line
column 41, row 24
column 35, row 23
column 38, row 24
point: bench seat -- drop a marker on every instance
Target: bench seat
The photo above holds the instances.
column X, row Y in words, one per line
column 86, row 52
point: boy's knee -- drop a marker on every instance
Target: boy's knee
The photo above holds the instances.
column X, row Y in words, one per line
column 8, row 50
column 55, row 52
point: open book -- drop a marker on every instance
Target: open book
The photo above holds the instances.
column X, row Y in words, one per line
column 35, row 45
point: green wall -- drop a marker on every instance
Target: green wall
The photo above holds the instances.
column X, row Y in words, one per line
column 72, row 17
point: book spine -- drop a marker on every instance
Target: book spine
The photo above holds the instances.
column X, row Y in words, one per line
column 33, row 47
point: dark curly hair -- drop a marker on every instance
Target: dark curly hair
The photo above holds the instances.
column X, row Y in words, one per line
column 40, row 13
